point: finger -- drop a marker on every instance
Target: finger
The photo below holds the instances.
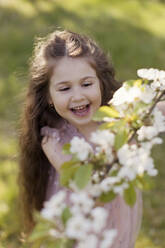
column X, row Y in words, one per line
column 44, row 140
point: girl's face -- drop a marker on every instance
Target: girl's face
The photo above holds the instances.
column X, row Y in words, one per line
column 75, row 90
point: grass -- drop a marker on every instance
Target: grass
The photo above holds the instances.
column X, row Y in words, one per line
column 132, row 31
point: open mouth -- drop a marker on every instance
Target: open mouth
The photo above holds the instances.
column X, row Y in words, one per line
column 81, row 110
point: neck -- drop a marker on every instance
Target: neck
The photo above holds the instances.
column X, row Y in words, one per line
column 87, row 130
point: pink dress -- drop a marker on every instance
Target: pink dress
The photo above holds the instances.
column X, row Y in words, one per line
column 126, row 219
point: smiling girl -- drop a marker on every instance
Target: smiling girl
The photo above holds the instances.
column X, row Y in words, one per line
column 70, row 78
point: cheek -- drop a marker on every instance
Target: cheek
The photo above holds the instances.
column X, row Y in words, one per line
column 99, row 100
column 97, row 97
column 60, row 105
column 59, row 102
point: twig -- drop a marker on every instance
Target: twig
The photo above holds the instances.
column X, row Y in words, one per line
column 147, row 114
column 154, row 104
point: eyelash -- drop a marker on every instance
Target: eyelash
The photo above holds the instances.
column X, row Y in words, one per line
column 64, row 89
column 84, row 85
column 87, row 84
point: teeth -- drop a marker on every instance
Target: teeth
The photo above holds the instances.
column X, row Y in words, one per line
column 79, row 107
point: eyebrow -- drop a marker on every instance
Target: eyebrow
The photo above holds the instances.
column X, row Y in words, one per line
column 82, row 79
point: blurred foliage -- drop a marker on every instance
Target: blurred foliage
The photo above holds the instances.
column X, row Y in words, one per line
column 131, row 31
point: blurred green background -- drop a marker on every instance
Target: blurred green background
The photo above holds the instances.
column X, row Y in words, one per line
column 132, row 31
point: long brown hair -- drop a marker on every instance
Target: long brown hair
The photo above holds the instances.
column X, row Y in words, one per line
column 34, row 165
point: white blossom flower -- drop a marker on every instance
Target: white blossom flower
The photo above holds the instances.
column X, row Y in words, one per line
column 109, row 155
column 127, row 173
column 56, row 234
column 159, row 120
column 158, row 77
column 96, row 177
column 148, row 145
column 94, row 190
column 108, row 238
column 81, row 148
column 128, row 95
column 55, row 206
column 147, row 132
column 125, row 153
column 103, row 138
column 77, row 227
column 119, row 189
column 91, row 241
column 151, row 74
column 135, row 161
column 109, row 119
column 99, row 216
column 158, row 84
column 82, row 203
column 161, row 75
column 108, row 183
column 122, row 95
column 148, row 94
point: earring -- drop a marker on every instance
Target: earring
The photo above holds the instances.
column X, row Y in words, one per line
column 51, row 105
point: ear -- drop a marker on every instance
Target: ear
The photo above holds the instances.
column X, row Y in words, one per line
column 50, row 102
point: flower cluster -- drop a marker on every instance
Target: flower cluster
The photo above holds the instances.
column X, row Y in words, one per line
column 158, row 77
column 115, row 163
column 80, row 147
column 85, row 223
column 132, row 94
column 104, row 141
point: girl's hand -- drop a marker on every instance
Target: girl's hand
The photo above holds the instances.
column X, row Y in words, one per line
column 53, row 148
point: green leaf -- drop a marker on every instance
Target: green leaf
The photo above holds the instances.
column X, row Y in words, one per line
column 40, row 231
column 66, row 148
column 145, row 182
column 107, row 197
column 69, row 244
column 67, row 171
column 44, row 242
column 121, row 138
column 117, row 125
column 58, row 243
column 130, row 195
column 106, row 125
column 129, row 83
column 113, row 173
column 83, row 175
column 105, row 111
column 66, row 214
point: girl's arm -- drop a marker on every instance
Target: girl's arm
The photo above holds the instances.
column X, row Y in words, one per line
column 53, row 151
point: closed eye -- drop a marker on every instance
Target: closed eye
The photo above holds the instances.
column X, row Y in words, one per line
column 87, row 84
column 64, row 89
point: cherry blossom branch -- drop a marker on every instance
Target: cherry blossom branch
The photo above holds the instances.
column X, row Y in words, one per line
column 148, row 113
column 154, row 104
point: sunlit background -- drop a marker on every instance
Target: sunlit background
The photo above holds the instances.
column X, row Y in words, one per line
column 131, row 31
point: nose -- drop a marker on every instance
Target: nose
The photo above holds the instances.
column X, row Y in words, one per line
column 77, row 95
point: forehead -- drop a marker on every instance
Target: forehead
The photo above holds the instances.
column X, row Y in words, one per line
column 70, row 69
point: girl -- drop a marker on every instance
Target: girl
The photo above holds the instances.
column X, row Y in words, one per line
column 70, row 78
